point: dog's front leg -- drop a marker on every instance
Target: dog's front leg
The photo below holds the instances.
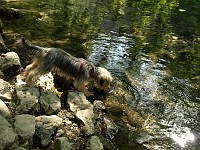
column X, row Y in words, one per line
column 80, row 86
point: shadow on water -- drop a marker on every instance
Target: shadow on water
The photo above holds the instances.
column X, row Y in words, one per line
column 151, row 49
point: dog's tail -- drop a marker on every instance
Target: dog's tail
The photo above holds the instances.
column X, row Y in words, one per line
column 32, row 49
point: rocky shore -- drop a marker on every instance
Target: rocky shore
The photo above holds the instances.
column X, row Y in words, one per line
column 51, row 117
column 38, row 118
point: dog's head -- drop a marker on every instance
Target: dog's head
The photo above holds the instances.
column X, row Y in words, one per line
column 103, row 78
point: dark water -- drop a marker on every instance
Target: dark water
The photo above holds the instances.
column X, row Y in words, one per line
column 151, row 47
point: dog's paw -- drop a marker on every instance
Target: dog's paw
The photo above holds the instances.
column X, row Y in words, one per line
column 30, row 83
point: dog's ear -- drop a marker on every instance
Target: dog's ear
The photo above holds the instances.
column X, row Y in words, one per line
column 20, row 42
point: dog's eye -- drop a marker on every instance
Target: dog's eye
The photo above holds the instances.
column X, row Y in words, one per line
column 101, row 82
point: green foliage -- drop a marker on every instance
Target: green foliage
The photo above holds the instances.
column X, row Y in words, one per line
column 119, row 7
column 152, row 20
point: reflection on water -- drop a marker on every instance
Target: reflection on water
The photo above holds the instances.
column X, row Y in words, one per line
column 111, row 51
column 168, row 98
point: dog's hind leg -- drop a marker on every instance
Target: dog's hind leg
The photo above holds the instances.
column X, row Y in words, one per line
column 34, row 74
column 36, row 69
column 29, row 77
column 32, row 66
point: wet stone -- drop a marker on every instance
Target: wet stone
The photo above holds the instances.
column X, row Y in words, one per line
column 109, row 128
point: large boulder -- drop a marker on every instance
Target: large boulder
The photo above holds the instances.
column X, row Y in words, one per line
column 46, row 127
column 94, row 143
column 62, row 143
column 4, row 111
column 25, row 126
column 9, row 64
column 83, row 110
column 28, row 98
column 49, row 102
column 7, row 135
column 77, row 101
column 36, row 99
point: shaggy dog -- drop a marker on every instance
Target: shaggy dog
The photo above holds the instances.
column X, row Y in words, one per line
column 58, row 61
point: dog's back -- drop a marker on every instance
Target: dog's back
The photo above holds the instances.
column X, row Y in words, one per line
column 33, row 50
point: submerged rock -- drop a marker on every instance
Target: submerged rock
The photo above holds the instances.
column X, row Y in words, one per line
column 10, row 13
column 18, row 148
column 133, row 117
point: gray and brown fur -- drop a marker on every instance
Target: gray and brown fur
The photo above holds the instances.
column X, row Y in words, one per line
column 56, row 60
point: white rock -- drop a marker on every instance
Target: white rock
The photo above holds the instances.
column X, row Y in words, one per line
column 87, row 117
column 5, row 90
column 4, row 111
column 46, row 82
column 78, row 101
